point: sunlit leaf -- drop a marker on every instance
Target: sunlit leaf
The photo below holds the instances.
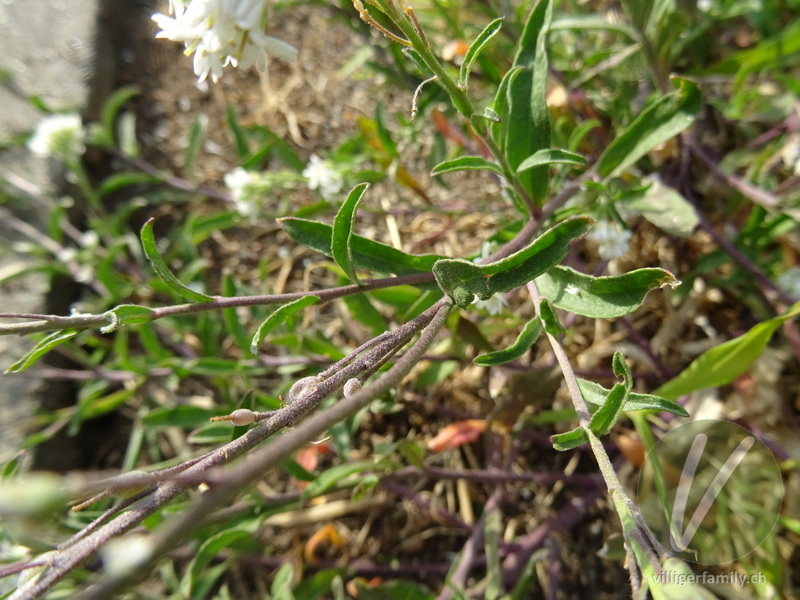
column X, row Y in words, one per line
column 601, row 297
column 551, row 156
column 570, row 439
column 724, row 363
column 475, row 48
column 43, row 347
column 343, row 231
column 527, row 337
column 665, row 118
column 596, row 394
column 366, row 253
column 529, row 121
column 278, row 317
column 161, row 269
column 466, row 163
column 463, row 280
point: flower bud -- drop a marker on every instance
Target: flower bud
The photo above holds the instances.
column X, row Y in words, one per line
column 302, row 388
column 351, row 387
column 243, row 416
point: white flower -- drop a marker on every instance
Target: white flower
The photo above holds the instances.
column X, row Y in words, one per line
column 60, row 136
column 704, row 5
column 321, row 176
column 789, row 281
column 613, row 241
column 494, row 305
column 241, row 183
column 222, row 32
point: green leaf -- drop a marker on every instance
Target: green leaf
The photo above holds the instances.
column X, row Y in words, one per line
column 466, row 163
column 621, row 369
column 240, row 142
column 549, row 157
column 113, row 105
column 132, row 314
column 331, row 477
column 463, row 280
column 528, row 118
column 278, row 317
column 527, row 337
column 596, row 394
column 475, row 48
column 500, row 107
column 206, row 553
column 361, row 309
column 184, row 416
column 550, row 319
column 604, row 419
column 117, row 181
column 196, row 135
column 724, row 363
column 231, row 316
column 343, row 231
column 161, row 269
column 366, row 253
column 570, row 439
column 662, row 120
column 417, row 60
column 600, row 297
column 43, row 347
column 664, row 207
column 593, row 22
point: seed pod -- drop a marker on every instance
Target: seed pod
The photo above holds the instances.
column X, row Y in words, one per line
column 302, row 388
column 242, row 416
column 351, row 387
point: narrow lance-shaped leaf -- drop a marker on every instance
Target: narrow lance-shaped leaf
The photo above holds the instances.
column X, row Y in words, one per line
column 725, row 362
column 43, row 347
column 660, row 121
column 604, row 419
column 367, row 254
column 549, row 157
column 601, row 297
column 527, row 337
column 570, row 439
column 483, row 38
column 278, row 317
column 549, row 318
column 500, row 107
column 463, row 280
column 161, row 269
column 529, row 120
column 621, row 369
column 466, row 163
column 596, row 394
column 343, row 231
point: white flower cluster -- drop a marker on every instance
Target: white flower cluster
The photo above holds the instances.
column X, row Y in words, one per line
column 321, row 176
column 58, row 136
column 222, row 32
column 612, row 240
column 242, row 184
